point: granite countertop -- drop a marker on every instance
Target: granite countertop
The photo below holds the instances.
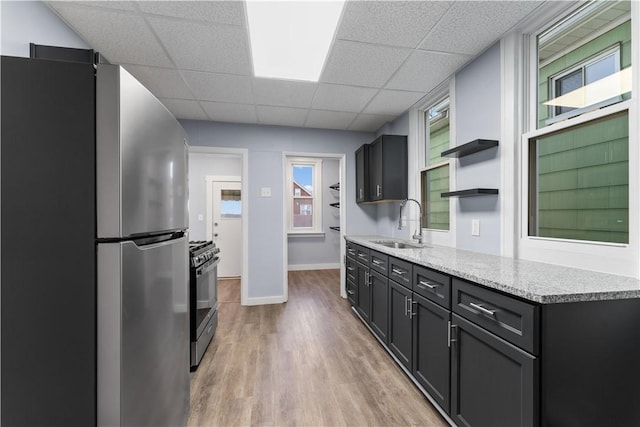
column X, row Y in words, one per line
column 534, row 281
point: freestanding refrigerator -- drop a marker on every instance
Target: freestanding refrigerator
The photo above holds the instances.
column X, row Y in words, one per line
column 94, row 273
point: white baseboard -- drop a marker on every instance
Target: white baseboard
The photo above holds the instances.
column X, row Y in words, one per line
column 300, row 267
column 265, row 300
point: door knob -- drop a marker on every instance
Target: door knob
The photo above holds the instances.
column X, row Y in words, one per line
column 215, row 223
column 215, row 235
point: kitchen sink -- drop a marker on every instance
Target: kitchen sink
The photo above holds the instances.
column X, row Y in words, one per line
column 395, row 244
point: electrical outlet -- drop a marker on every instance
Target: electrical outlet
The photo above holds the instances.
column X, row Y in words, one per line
column 475, row 227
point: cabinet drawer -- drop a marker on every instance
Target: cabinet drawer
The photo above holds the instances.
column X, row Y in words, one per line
column 379, row 262
column 400, row 271
column 351, row 250
column 511, row 319
column 362, row 254
column 432, row 285
column 351, row 270
column 352, row 292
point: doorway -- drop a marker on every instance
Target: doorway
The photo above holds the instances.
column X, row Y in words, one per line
column 228, row 165
column 224, row 222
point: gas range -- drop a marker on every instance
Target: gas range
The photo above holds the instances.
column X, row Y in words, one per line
column 202, row 251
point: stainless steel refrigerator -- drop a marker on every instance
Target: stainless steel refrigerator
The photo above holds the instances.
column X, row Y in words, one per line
column 94, row 252
column 142, row 310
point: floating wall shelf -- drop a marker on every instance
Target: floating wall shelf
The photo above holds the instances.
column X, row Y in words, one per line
column 470, row 148
column 335, row 205
column 335, row 187
column 335, row 228
column 471, row 192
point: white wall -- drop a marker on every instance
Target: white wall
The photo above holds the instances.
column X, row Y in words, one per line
column 200, row 166
column 24, row 22
column 266, row 146
column 318, row 250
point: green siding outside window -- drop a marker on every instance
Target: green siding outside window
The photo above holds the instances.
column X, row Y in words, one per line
column 579, row 182
column 434, row 182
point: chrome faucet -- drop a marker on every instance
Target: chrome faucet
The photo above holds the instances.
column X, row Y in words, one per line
column 418, row 234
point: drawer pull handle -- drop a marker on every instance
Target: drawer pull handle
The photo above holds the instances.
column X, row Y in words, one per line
column 376, row 262
column 423, row 284
column 363, row 256
column 398, row 271
column 481, row 309
column 351, row 251
column 350, row 268
column 350, row 292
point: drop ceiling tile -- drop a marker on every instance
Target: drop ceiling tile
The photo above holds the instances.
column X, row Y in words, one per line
column 397, row 23
column 361, row 64
column 424, row 70
column 219, row 87
column 234, row 113
column 468, row 27
column 284, row 93
column 119, row 36
column 281, row 116
column 184, row 109
column 222, row 12
column 392, row 102
column 162, row 82
column 370, row 122
column 121, row 5
column 201, row 47
column 329, row 119
column 342, row 98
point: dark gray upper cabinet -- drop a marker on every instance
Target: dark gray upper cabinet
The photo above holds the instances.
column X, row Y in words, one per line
column 381, row 170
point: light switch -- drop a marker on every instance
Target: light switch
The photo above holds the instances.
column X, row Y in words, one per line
column 200, row 217
column 265, row 191
column 475, row 227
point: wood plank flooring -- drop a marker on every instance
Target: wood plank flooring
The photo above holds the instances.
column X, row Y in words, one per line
column 308, row 362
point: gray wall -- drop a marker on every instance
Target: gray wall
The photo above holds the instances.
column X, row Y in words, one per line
column 201, row 165
column 325, row 249
column 477, row 105
column 24, row 22
column 266, row 145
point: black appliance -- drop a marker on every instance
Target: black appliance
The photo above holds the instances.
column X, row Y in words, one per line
column 203, row 297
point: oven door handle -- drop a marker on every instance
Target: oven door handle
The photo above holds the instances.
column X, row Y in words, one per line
column 208, row 266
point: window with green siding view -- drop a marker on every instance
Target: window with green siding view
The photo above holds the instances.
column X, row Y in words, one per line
column 579, row 182
column 435, row 181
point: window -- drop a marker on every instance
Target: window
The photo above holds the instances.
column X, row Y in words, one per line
column 578, row 164
column 304, row 195
column 230, row 204
column 434, row 179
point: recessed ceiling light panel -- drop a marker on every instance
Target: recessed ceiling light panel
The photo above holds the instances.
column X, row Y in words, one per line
column 291, row 39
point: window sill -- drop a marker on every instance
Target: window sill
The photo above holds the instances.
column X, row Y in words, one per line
column 305, row 234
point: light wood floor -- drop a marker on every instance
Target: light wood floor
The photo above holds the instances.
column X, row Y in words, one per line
column 308, row 362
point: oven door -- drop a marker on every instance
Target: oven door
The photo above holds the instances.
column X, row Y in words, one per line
column 206, row 288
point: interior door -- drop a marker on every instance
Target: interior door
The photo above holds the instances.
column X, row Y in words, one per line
column 227, row 226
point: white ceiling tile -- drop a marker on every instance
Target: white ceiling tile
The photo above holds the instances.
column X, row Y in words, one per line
column 184, row 109
column 342, row 98
column 329, row 119
column 392, row 102
column 200, row 47
column 219, row 87
column 234, row 113
column 397, row 23
column 361, row 64
column 424, row 70
column 284, row 93
column 222, row 12
column 120, row 37
column 468, row 27
column 370, row 122
column 162, row 82
column 281, row 115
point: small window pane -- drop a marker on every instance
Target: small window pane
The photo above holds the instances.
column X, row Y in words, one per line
column 566, row 84
column 600, row 69
column 579, row 182
column 437, row 122
column 230, row 204
column 303, row 196
column 436, row 208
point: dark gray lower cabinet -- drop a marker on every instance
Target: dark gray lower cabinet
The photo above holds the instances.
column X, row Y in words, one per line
column 363, row 304
column 493, row 383
column 379, row 314
column 400, row 336
column 431, row 357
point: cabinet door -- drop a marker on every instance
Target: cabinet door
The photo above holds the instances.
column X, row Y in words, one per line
column 362, row 174
column 400, row 336
column 431, row 359
column 375, row 170
column 379, row 305
column 493, row 383
column 364, row 299
column 352, row 292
